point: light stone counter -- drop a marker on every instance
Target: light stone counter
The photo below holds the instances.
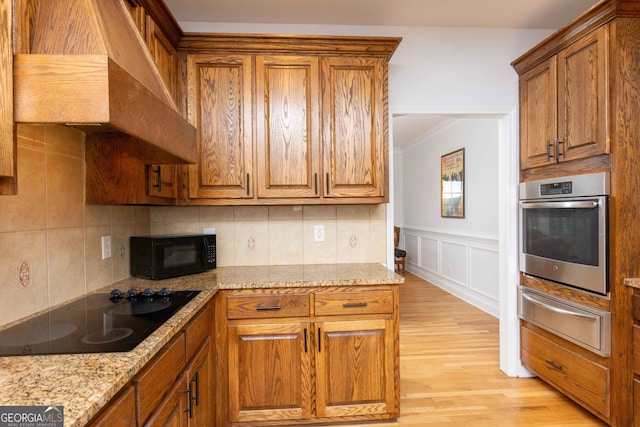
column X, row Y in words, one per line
column 633, row 283
column 84, row 383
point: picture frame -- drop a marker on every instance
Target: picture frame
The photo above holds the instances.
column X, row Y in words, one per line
column 452, row 184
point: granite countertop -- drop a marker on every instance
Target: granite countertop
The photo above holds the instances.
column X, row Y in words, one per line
column 84, row 383
column 633, row 283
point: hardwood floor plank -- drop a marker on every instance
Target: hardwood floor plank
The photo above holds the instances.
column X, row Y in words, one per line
column 450, row 374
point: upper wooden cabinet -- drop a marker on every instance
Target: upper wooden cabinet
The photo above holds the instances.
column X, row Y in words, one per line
column 563, row 104
column 354, row 125
column 220, row 104
column 288, row 119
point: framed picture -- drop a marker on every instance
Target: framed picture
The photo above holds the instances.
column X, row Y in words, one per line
column 452, row 184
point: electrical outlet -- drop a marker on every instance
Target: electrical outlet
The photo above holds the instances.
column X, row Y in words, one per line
column 318, row 233
column 106, row 247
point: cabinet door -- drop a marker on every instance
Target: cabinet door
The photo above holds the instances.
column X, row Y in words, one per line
column 164, row 56
column 174, row 408
column 269, row 372
column 162, row 181
column 538, row 115
column 582, row 97
column 287, row 122
column 354, row 127
column 355, row 368
column 219, row 105
column 200, row 374
column 121, row 412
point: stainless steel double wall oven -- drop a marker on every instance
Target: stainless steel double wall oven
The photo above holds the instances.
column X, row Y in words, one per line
column 564, row 239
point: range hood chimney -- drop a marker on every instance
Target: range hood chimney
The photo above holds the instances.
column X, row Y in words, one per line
column 89, row 67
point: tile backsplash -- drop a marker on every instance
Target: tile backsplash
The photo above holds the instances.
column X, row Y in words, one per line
column 50, row 246
column 50, row 240
column 278, row 235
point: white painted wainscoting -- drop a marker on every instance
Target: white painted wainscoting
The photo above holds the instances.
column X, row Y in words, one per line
column 463, row 265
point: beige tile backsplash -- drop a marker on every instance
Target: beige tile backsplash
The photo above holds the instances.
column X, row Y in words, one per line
column 50, row 246
column 279, row 235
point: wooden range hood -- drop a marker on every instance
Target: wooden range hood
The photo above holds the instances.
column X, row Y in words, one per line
column 89, row 67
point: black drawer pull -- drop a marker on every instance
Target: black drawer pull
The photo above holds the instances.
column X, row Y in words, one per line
column 554, row 364
column 268, row 307
column 354, row 304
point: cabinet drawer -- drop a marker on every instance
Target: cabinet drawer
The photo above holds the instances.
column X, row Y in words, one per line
column 198, row 330
column 157, row 378
column 353, row 300
column 575, row 376
column 267, row 305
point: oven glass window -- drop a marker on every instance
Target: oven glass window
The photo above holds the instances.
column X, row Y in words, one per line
column 177, row 255
column 569, row 235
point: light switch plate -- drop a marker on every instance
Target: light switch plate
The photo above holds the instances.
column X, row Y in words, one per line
column 318, row 233
column 106, row 247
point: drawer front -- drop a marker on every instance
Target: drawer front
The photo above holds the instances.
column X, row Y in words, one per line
column 198, row 330
column 571, row 373
column 267, row 305
column 157, row 378
column 353, row 300
column 585, row 326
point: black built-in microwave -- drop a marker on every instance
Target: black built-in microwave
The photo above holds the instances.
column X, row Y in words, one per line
column 164, row 256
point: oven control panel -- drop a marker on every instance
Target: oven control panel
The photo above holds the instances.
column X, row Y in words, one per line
column 556, row 188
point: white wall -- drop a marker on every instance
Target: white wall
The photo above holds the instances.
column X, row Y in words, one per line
column 450, row 70
column 459, row 255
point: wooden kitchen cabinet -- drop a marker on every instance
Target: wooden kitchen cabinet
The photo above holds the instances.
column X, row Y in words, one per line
column 288, row 126
column 176, row 388
column 563, row 104
column 121, row 412
column 298, row 356
column 355, row 134
column 597, row 81
column 288, row 119
column 220, row 103
column 580, row 375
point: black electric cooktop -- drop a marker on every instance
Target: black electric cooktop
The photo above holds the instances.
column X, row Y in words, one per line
column 98, row 323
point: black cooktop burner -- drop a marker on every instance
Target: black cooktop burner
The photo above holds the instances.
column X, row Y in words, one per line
column 98, row 323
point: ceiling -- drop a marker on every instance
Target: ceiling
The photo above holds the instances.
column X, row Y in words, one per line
column 545, row 14
column 536, row 14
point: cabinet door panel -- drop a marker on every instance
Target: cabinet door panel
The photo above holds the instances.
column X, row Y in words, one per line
column 538, row 115
column 200, row 374
column 582, row 97
column 219, row 96
column 172, row 411
column 288, row 143
column 354, row 127
column 269, row 372
column 355, row 373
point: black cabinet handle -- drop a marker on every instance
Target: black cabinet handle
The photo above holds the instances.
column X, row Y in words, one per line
column 319, row 341
column 558, row 152
column 189, row 410
column 327, row 187
column 158, row 183
column 268, row 307
column 248, row 176
column 549, row 144
column 315, row 182
column 306, row 349
column 354, row 304
column 196, row 381
column 554, row 364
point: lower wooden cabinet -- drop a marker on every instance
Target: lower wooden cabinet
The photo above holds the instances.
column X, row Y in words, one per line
column 121, row 412
column 176, row 388
column 308, row 356
column 582, row 376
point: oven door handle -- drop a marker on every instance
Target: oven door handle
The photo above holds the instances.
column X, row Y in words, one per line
column 558, row 309
column 586, row 204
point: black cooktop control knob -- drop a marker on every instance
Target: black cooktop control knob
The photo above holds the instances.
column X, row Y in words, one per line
column 164, row 292
column 115, row 294
column 132, row 293
column 147, row 292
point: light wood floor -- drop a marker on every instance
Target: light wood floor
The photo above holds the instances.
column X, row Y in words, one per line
column 450, row 375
